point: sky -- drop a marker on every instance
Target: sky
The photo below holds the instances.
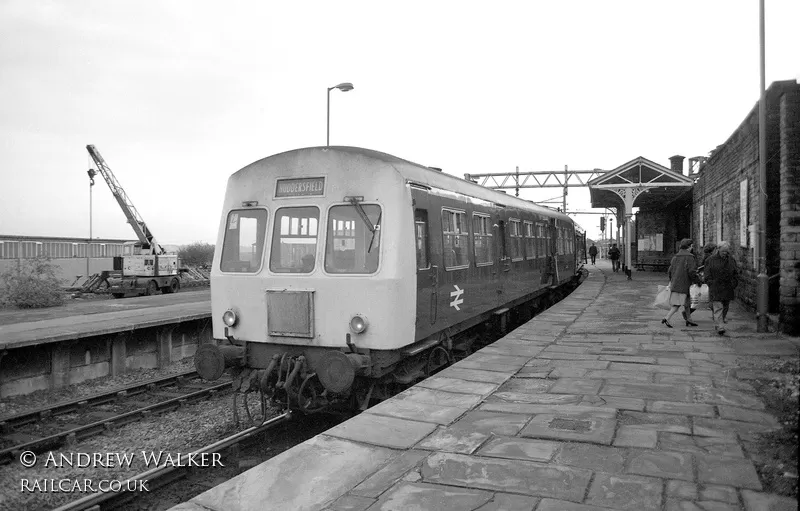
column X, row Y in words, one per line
column 178, row 95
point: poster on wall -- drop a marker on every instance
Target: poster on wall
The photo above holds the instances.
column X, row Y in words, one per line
column 743, row 213
column 652, row 243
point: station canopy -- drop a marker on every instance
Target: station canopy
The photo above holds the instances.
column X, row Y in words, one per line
column 639, row 183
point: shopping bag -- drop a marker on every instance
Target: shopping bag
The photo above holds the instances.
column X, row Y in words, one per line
column 704, row 293
column 694, row 295
column 662, row 297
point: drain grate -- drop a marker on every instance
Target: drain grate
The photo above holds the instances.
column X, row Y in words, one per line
column 571, row 425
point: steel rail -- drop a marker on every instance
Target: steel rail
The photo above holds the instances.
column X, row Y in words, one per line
column 154, row 474
column 8, row 454
column 63, row 407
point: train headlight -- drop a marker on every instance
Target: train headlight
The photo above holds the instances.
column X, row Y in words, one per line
column 229, row 318
column 358, row 324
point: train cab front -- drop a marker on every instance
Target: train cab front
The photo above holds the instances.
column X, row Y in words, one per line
column 302, row 295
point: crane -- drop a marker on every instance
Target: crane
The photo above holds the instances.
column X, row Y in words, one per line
column 149, row 268
column 149, row 245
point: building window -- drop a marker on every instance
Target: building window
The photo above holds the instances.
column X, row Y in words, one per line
column 455, row 237
column 482, row 233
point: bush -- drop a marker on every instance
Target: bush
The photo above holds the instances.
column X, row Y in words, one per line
column 31, row 285
column 196, row 254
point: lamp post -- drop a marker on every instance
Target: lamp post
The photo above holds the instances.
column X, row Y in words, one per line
column 91, row 173
column 344, row 87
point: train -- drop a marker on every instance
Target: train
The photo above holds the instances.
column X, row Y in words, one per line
column 339, row 271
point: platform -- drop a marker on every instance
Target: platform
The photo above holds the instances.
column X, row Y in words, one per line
column 76, row 320
column 591, row 405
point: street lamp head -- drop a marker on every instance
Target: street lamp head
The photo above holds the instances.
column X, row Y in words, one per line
column 344, row 87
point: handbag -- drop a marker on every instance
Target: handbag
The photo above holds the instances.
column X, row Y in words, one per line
column 662, row 297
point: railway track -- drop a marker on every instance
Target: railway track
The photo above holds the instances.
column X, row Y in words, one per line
column 71, row 421
column 166, row 473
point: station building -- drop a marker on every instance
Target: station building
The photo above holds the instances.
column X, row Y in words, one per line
column 716, row 198
column 69, row 255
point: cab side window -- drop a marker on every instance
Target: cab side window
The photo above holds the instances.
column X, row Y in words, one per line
column 421, row 234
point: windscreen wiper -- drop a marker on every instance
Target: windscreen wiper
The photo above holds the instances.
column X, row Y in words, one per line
column 374, row 232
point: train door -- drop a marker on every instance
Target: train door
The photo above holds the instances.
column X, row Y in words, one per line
column 550, row 272
column 503, row 263
column 428, row 262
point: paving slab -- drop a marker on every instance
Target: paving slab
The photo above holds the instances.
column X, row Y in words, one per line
column 334, row 465
column 585, row 427
column 659, row 463
column 756, row 501
column 700, row 410
column 728, row 397
column 474, row 375
column 404, row 496
column 514, row 476
column 519, row 448
column 718, row 446
column 458, row 385
column 384, row 431
column 726, row 470
column 593, row 457
column 682, row 490
column 377, row 483
column 634, row 436
column 747, row 415
column 654, row 391
column 634, row 493
column 515, row 402
column 525, row 386
column 439, row 398
column 454, row 440
column 480, row 421
column 418, row 411
column 563, row 505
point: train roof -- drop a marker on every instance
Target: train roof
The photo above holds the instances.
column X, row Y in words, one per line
column 435, row 178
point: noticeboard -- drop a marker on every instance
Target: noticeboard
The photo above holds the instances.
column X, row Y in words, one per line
column 300, row 187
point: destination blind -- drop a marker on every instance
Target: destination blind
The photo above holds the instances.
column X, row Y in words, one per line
column 300, row 187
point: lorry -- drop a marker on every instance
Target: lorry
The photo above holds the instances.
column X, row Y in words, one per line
column 144, row 267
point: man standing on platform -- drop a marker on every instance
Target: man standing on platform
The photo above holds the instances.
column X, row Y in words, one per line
column 722, row 276
column 613, row 254
column 593, row 252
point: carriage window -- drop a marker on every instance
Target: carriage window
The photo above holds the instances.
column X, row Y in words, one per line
column 530, row 251
column 353, row 240
column 515, row 240
column 482, row 233
column 421, row 233
column 244, row 241
column 294, row 240
column 455, row 235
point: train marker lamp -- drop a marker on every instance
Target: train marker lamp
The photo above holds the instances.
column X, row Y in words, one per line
column 358, row 324
column 344, row 87
column 229, row 318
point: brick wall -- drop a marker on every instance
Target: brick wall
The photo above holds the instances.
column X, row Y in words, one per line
column 717, row 190
column 790, row 212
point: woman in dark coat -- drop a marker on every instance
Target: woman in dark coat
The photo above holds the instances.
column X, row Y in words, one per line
column 682, row 273
column 722, row 277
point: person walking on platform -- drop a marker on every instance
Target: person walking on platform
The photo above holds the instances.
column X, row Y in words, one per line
column 722, row 277
column 682, row 272
column 593, row 252
column 613, row 254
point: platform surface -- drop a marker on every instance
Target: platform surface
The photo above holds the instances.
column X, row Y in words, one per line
column 592, row 405
column 78, row 319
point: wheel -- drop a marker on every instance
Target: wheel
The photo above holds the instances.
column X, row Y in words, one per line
column 152, row 288
column 173, row 287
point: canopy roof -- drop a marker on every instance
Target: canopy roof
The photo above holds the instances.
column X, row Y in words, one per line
column 649, row 184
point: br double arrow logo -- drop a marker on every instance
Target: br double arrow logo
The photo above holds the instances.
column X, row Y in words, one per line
column 456, row 295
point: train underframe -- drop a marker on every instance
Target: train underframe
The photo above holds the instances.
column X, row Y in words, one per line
column 314, row 379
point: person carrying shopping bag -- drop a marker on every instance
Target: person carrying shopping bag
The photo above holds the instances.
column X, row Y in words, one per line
column 682, row 273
